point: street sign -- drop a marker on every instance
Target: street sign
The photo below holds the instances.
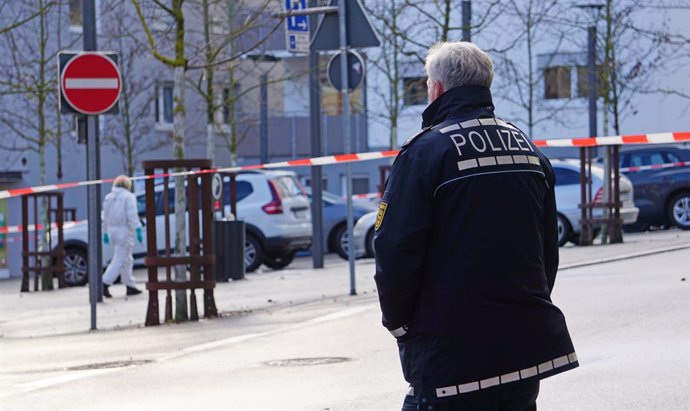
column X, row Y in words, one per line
column 296, row 27
column 90, row 83
column 360, row 32
column 355, row 71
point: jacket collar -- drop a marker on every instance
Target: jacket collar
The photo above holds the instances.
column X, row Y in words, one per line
column 459, row 102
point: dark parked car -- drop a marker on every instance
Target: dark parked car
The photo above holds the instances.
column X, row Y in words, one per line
column 335, row 222
column 661, row 194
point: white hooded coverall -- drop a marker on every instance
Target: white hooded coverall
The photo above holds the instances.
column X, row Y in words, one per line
column 120, row 221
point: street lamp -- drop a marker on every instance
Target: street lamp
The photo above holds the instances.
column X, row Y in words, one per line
column 263, row 105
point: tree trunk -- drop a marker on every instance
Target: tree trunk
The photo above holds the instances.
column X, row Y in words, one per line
column 180, row 197
column 47, row 277
column 210, row 86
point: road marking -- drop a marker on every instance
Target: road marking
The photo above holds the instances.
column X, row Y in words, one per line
column 342, row 314
column 73, row 376
column 223, row 342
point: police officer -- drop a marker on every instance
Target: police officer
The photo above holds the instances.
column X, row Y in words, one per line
column 467, row 252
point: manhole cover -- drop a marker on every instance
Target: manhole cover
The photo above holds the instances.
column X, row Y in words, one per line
column 300, row 362
column 105, row 365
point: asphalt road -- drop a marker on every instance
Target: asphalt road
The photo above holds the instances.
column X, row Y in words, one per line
column 630, row 322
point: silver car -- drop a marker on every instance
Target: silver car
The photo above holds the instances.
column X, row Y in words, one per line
column 568, row 198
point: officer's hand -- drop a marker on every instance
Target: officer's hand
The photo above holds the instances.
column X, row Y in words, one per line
column 140, row 235
column 106, row 238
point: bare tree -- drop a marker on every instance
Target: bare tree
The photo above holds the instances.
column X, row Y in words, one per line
column 223, row 27
column 388, row 60
column 441, row 20
column 534, row 24
column 16, row 14
column 636, row 52
column 28, row 92
column 129, row 132
column 179, row 63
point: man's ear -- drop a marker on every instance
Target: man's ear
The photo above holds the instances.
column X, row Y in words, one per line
column 436, row 90
column 439, row 88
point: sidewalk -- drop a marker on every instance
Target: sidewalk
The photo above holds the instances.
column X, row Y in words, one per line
column 67, row 311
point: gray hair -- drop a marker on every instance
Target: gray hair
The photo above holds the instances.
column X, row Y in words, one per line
column 123, row 182
column 459, row 63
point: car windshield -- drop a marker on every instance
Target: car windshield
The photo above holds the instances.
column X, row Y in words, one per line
column 566, row 176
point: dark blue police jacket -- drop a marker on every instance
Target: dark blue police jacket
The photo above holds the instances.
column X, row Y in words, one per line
column 467, row 252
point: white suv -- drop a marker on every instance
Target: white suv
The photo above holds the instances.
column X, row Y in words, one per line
column 271, row 203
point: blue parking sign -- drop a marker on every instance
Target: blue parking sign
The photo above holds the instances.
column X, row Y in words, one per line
column 296, row 27
column 297, row 23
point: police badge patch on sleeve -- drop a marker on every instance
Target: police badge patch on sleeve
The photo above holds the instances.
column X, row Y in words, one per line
column 379, row 216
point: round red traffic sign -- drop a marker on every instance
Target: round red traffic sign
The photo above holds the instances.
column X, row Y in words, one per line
column 91, row 83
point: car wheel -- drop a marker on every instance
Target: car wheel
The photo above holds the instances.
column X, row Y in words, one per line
column 280, row 261
column 369, row 243
column 565, row 231
column 679, row 211
column 76, row 267
column 340, row 241
column 253, row 253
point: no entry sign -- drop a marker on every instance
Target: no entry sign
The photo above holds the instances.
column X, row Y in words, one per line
column 90, row 83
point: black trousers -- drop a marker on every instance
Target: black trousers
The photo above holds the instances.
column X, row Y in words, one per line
column 515, row 396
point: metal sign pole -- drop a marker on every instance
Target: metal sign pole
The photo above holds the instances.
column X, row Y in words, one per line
column 342, row 19
column 466, row 20
column 93, row 172
column 316, row 149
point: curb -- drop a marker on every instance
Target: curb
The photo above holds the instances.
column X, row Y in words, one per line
column 625, row 257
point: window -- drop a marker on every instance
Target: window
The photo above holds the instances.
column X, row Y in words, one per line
column 287, row 187
column 582, row 89
column 141, row 204
column 566, row 176
column 164, row 103
column 414, row 91
column 76, row 18
column 360, row 184
column 307, row 182
column 243, row 188
column 671, row 158
column 75, row 15
column 557, row 82
column 645, row 159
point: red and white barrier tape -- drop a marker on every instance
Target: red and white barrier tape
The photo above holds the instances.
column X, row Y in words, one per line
column 14, row 229
column 655, row 167
column 366, row 196
column 316, row 161
column 656, row 138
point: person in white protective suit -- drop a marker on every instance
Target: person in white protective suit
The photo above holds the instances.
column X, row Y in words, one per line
column 120, row 226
